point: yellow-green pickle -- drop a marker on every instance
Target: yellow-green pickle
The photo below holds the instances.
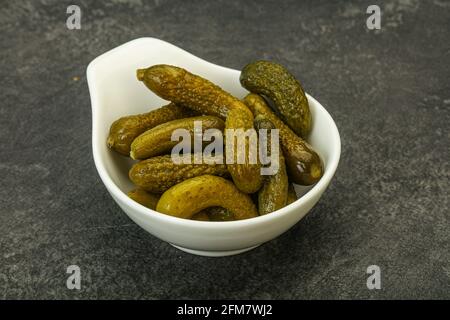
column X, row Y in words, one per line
column 191, row 196
column 150, row 200
column 274, row 192
column 275, row 82
column 157, row 141
column 158, row 174
column 124, row 130
column 303, row 163
column 184, row 88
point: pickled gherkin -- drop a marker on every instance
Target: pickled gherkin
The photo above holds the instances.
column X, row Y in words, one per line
column 158, row 174
column 124, row 130
column 193, row 195
column 274, row 192
column 182, row 87
column 158, row 140
column 303, row 163
column 279, row 85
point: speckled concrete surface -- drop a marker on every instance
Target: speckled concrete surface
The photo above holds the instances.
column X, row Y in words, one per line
column 388, row 91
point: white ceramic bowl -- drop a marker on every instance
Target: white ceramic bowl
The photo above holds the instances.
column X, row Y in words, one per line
column 116, row 92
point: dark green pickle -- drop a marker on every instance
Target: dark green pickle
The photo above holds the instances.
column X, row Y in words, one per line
column 274, row 192
column 303, row 163
column 279, row 85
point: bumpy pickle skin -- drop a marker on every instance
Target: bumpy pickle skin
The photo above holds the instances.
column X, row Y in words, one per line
column 303, row 163
column 157, row 141
column 158, row 174
column 184, row 88
column 274, row 192
column 275, row 82
column 246, row 176
column 193, row 195
column 145, row 198
column 124, row 130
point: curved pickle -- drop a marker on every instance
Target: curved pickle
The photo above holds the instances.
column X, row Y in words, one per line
column 193, row 195
column 292, row 195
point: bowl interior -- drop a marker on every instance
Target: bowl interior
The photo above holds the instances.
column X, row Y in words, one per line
column 115, row 92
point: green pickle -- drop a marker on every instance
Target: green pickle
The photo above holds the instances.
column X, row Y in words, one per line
column 274, row 192
column 184, row 88
column 275, row 82
column 204, row 191
column 215, row 214
column 158, row 174
column 157, row 141
column 124, row 130
column 303, row 163
column 191, row 196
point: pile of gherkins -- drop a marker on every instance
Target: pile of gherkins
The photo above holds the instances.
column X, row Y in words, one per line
column 217, row 192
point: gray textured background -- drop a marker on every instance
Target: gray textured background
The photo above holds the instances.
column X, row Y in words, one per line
column 388, row 205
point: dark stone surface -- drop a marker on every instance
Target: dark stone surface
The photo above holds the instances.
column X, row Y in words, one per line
column 388, row 205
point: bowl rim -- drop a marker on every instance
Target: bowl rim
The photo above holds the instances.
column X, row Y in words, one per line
column 117, row 193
